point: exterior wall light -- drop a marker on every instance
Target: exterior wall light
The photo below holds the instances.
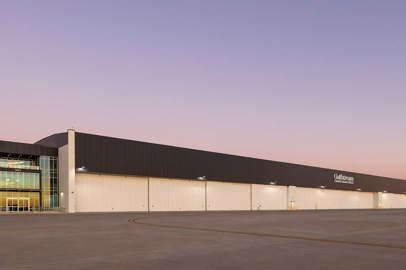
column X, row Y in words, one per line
column 61, row 194
column 384, row 191
column 272, row 183
column 202, row 177
column 81, row 169
column 323, row 187
column 359, row 189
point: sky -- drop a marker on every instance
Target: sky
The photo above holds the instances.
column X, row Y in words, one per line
column 320, row 83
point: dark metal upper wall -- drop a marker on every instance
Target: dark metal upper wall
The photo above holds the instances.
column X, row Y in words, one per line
column 55, row 140
column 101, row 154
column 27, row 149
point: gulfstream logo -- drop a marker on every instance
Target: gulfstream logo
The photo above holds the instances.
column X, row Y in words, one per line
column 343, row 179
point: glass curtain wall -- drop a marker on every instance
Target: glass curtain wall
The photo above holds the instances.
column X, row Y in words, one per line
column 49, row 181
column 19, row 191
column 28, row 184
column 19, row 201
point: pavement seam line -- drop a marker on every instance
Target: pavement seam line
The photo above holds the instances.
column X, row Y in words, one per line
column 282, row 236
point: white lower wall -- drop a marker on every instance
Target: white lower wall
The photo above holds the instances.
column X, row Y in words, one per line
column 104, row 193
column 176, row 195
column 390, row 200
column 228, row 196
column 269, row 197
column 314, row 198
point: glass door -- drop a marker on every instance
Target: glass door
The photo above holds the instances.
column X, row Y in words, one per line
column 18, row 204
column 12, row 204
column 23, row 204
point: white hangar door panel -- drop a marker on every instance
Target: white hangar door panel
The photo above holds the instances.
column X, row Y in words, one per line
column 391, row 200
column 107, row 193
column 176, row 195
column 269, row 197
column 228, row 196
column 317, row 198
column 338, row 199
column 305, row 198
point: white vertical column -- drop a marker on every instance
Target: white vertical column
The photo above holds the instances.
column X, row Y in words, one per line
column 71, row 207
column 205, row 195
column 148, row 195
column 66, row 160
column 378, row 200
column 71, row 200
column 291, row 198
column 251, row 197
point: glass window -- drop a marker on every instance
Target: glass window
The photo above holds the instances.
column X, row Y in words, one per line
column 19, row 180
column 19, row 163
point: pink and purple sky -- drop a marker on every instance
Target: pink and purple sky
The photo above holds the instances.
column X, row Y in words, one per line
column 321, row 83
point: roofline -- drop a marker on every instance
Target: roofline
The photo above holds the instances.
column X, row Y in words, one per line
column 253, row 158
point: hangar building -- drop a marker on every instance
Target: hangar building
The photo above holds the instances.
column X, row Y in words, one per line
column 78, row 172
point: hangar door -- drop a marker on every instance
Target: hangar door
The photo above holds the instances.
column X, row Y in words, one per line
column 269, row 197
column 107, row 193
column 228, row 196
column 391, row 200
column 176, row 195
column 316, row 198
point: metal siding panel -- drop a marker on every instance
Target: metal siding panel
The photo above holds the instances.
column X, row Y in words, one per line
column 27, row 149
column 118, row 156
column 55, row 140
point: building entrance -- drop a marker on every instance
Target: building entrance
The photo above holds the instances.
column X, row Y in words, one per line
column 18, row 204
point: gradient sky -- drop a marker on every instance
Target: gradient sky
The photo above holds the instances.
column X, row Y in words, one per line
column 320, row 83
